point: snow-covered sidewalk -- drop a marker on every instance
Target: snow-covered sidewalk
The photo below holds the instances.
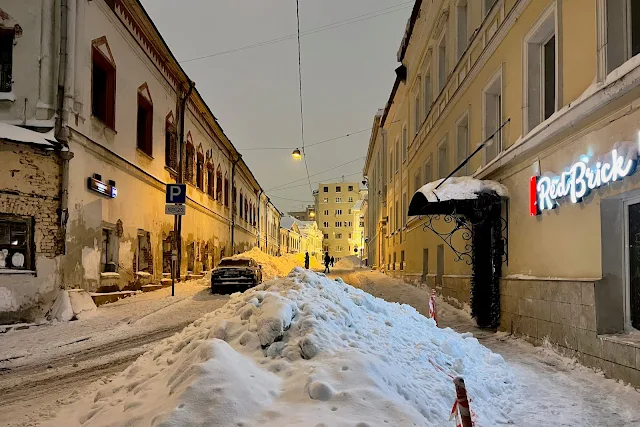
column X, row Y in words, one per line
column 557, row 391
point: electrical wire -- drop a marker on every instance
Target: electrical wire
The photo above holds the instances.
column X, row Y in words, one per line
column 318, row 173
column 338, row 24
column 304, row 155
column 292, row 200
column 318, row 182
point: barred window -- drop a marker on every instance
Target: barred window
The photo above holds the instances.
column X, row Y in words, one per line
column 16, row 237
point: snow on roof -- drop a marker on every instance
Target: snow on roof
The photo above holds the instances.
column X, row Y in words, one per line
column 358, row 205
column 304, row 350
column 461, row 188
column 19, row 134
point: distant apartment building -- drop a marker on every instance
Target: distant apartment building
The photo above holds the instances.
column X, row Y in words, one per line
column 335, row 212
column 309, row 214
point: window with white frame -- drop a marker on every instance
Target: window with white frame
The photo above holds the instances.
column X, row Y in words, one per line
column 427, row 171
column 325, row 224
column 338, row 223
column 348, row 224
column 338, row 235
column 326, row 211
column 338, row 199
column 361, row 224
column 338, row 211
column 622, row 23
column 349, row 212
column 462, row 143
column 443, row 63
column 404, row 142
column 462, row 28
column 350, row 199
column 326, row 236
column 338, row 189
column 540, row 70
column 325, row 200
column 492, row 111
column 417, row 117
column 443, row 158
column 339, row 248
column 488, row 4
column 350, row 188
column 325, row 189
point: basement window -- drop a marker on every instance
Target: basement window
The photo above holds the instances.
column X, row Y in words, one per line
column 6, row 59
column 622, row 32
column 103, row 89
column 16, row 237
column 145, row 125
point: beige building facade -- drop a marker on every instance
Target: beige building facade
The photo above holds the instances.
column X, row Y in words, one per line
column 547, row 92
column 336, row 217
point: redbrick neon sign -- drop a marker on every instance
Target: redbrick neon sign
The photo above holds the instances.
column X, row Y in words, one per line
column 578, row 181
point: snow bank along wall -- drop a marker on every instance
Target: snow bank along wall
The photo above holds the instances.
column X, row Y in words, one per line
column 571, row 271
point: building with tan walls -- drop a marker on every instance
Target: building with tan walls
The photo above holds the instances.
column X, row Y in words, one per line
column 114, row 95
column 548, row 90
column 336, row 218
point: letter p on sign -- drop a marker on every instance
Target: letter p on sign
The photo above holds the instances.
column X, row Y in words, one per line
column 176, row 193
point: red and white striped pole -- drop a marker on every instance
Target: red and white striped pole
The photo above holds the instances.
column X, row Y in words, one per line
column 462, row 402
column 433, row 313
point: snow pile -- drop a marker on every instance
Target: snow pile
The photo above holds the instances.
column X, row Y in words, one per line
column 348, row 263
column 461, row 188
column 273, row 266
column 304, row 350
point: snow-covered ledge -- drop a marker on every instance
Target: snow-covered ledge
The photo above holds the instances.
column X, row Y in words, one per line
column 14, row 271
column 597, row 96
column 7, row 96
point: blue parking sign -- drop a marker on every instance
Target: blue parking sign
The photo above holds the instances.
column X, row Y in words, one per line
column 176, row 193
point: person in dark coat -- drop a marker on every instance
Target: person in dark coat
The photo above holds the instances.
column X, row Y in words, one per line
column 306, row 260
column 327, row 261
column 332, row 260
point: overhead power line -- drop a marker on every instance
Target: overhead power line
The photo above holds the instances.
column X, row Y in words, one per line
column 318, row 182
column 318, row 173
column 304, row 155
column 292, row 200
column 338, row 24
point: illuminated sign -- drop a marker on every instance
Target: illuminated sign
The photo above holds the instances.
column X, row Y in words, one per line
column 578, row 181
column 98, row 186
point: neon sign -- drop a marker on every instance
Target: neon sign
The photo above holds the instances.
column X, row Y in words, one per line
column 578, row 181
column 102, row 188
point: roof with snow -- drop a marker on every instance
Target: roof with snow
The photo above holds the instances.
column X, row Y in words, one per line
column 358, row 205
column 27, row 136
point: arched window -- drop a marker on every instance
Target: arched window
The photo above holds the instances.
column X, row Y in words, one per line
column 241, row 206
column 103, row 82
column 246, row 209
column 210, row 180
column 226, row 190
column 219, row 184
column 170, row 143
column 144, row 136
column 200, row 169
column 189, row 160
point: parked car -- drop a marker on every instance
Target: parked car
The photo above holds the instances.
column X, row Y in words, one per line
column 235, row 274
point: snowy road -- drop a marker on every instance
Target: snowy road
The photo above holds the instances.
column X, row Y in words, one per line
column 559, row 391
column 46, row 367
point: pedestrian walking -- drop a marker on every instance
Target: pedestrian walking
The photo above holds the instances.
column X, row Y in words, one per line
column 332, row 260
column 327, row 261
column 306, row 260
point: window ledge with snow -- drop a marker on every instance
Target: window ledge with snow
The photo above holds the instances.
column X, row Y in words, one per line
column 7, row 96
column 15, row 271
column 143, row 274
column 109, row 274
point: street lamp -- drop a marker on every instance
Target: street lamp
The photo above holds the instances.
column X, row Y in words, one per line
column 296, row 154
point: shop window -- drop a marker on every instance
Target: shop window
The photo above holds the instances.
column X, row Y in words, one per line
column 6, row 59
column 109, row 253
column 200, row 170
column 462, row 28
column 170, row 143
column 219, row 184
column 492, row 106
column 188, row 162
column 103, row 88
column 540, row 71
column 143, row 255
column 210, row 180
column 443, row 158
column 622, row 32
column 16, row 239
column 226, row 191
column 443, row 62
column 145, row 125
column 462, row 143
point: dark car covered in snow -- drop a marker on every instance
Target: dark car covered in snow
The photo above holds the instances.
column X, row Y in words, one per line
column 235, row 274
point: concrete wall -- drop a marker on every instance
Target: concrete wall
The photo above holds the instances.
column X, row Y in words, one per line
column 30, row 188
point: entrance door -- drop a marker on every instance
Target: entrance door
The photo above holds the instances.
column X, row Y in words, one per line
column 425, row 265
column 440, row 265
column 634, row 265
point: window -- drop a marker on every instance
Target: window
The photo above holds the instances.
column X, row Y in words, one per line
column 349, row 210
column 338, row 199
column 170, row 143
column 189, row 159
column 416, row 109
column 417, row 182
column 540, row 71
column 397, row 155
column 219, row 184
column 109, row 253
column 339, row 248
column 338, row 223
column 401, row 260
column 241, row 205
column 462, row 143
column 16, row 237
column 348, row 224
column 404, row 143
column 338, row 211
column 361, row 224
column 404, row 209
column 622, row 32
column 210, row 181
column 396, row 220
column 226, row 191
column 338, row 235
column 325, row 189
column 488, row 4
column 443, row 63
column 394, row 260
column 462, row 25
column 326, row 224
column 350, row 199
column 326, row 211
column 326, row 236
column 338, row 189
column 200, row 171
column 428, row 177
column 145, row 125
column 143, row 255
column 443, row 158
column 325, row 200
column 391, row 217
column 6, row 59
column 391, row 168
column 493, row 118
column 103, row 88
column 427, row 94
column 350, row 188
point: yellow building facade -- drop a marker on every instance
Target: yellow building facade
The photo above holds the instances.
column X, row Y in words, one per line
column 336, row 205
column 547, row 92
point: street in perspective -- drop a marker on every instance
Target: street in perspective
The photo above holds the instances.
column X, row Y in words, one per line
column 330, row 214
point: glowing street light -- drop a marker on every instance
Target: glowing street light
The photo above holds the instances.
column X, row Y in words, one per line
column 296, row 154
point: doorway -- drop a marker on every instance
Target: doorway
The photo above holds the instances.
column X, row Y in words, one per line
column 632, row 258
column 425, row 265
column 440, row 265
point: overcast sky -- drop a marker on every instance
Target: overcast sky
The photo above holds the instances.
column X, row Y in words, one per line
column 347, row 74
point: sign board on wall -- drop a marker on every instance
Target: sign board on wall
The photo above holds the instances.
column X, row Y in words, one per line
column 581, row 178
column 171, row 209
column 103, row 188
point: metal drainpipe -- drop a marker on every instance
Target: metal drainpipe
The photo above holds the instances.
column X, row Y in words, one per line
column 177, row 225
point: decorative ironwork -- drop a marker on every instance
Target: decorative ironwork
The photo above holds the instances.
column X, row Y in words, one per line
column 504, row 220
column 460, row 226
